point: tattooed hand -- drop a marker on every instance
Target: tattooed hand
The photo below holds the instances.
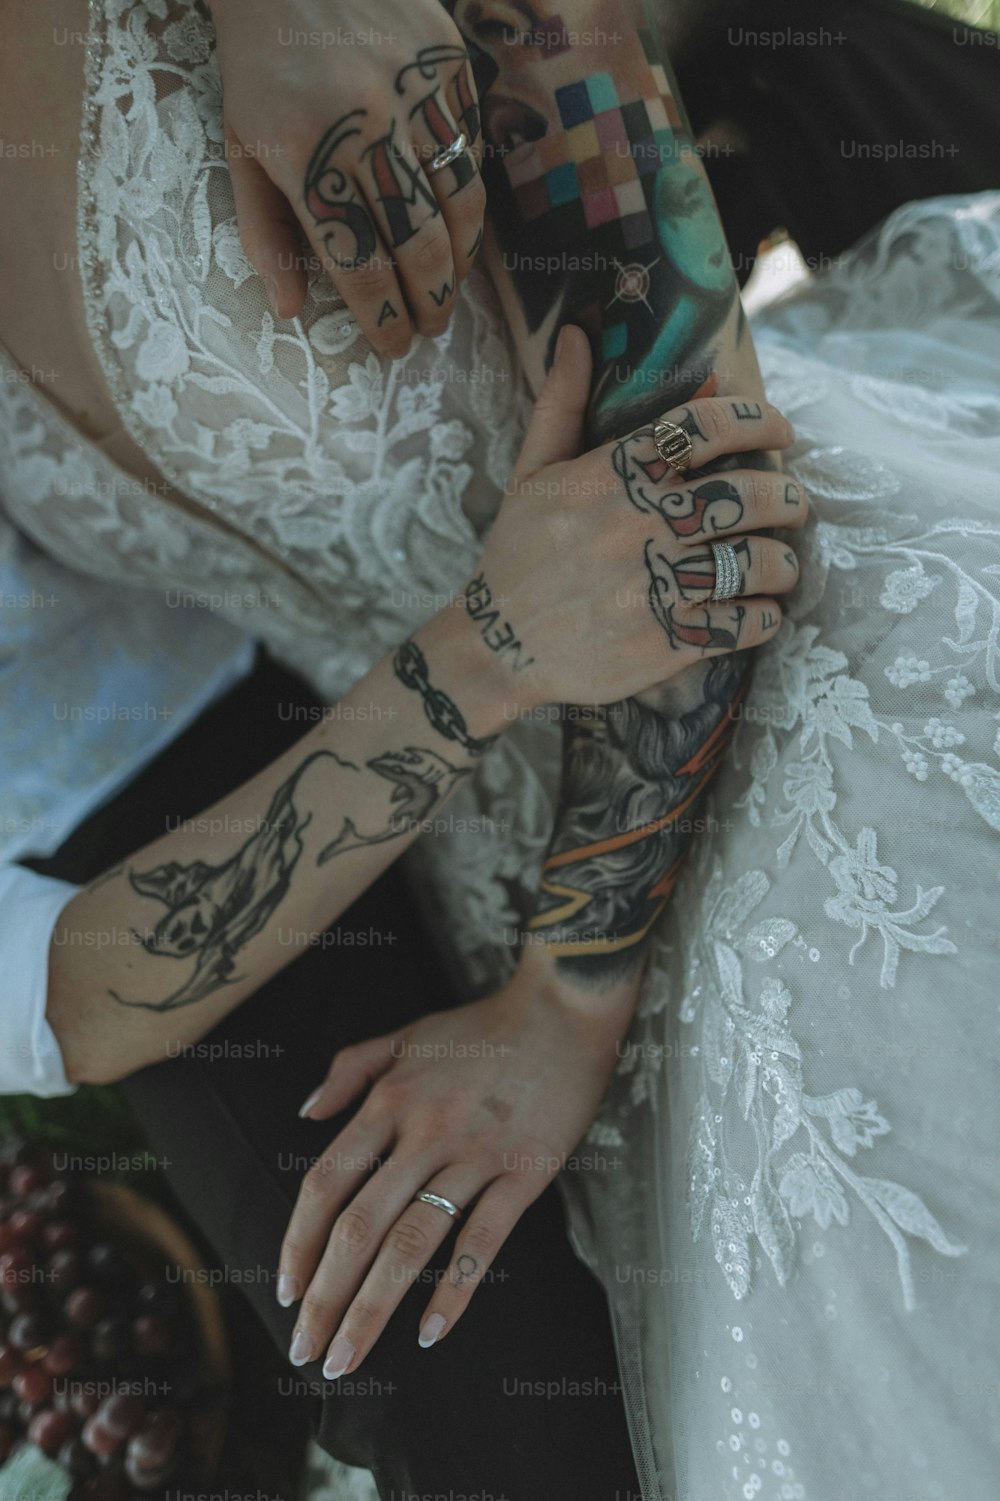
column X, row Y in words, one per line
column 335, row 112
column 597, row 579
column 482, row 1106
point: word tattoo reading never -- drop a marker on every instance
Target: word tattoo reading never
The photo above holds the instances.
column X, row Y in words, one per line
column 499, row 637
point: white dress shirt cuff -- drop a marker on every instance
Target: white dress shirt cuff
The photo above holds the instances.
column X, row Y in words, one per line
column 30, row 1060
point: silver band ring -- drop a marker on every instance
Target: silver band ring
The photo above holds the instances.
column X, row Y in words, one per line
column 728, row 578
column 448, row 154
column 673, row 445
column 437, row 1202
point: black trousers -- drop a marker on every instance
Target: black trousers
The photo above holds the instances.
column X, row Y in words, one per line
column 522, row 1400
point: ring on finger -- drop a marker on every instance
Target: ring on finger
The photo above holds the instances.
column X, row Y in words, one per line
column 448, row 154
column 438, row 1201
column 728, row 576
column 673, row 445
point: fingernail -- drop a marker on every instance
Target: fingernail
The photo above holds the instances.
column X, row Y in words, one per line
column 432, row 1330
column 302, row 1348
column 271, row 288
column 560, row 344
column 288, row 1290
column 791, row 431
column 340, row 1355
column 312, row 1100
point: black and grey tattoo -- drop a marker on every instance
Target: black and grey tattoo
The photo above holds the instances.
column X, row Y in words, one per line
column 499, row 635
column 411, row 669
column 213, row 911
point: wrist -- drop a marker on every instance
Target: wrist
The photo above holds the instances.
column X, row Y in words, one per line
column 480, row 685
column 603, row 1007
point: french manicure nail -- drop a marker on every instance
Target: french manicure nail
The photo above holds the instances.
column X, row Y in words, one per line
column 340, row 1355
column 432, row 1330
column 312, row 1100
column 288, row 1290
column 301, row 1351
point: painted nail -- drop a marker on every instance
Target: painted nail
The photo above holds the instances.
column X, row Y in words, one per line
column 432, row 1330
column 302, row 1348
column 312, row 1100
column 340, row 1355
column 288, row 1290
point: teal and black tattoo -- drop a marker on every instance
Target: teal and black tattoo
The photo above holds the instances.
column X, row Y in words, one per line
column 604, row 218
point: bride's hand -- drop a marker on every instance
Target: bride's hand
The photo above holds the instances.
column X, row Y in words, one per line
column 480, row 1106
column 334, row 112
column 597, row 576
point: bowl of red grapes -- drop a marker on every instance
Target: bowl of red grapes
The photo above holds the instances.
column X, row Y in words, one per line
column 112, row 1348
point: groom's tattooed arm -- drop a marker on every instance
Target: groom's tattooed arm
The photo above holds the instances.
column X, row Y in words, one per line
column 215, row 909
column 181, row 931
column 601, row 215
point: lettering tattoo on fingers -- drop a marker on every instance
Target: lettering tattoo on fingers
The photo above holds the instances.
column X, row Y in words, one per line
column 793, row 495
column 332, row 197
column 440, row 298
column 388, row 311
column 347, row 158
column 747, row 411
column 430, row 65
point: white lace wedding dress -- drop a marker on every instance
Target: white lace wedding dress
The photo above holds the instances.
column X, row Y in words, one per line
column 793, row 1202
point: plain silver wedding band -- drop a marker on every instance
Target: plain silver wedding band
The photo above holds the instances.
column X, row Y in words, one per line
column 439, row 1203
column 449, row 154
column 728, row 578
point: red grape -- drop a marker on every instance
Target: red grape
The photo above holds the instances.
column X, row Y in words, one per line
column 84, row 1307
column 60, row 1234
column 25, row 1226
column 33, row 1384
column 64, row 1355
column 151, row 1334
column 10, row 1364
column 121, row 1413
column 107, row 1265
column 97, row 1438
column 63, row 1270
column 27, row 1179
column 84, row 1402
column 75, row 1457
column 49, row 1429
column 15, row 1268
column 28, row 1331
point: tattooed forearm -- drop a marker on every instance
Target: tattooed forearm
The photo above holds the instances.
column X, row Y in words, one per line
column 593, row 165
column 420, row 780
column 633, row 780
column 411, row 669
column 499, row 635
column 214, row 910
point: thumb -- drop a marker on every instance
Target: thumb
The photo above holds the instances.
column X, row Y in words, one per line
column 351, row 1072
column 556, row 429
